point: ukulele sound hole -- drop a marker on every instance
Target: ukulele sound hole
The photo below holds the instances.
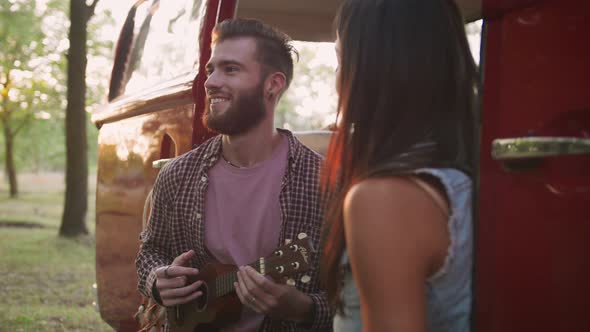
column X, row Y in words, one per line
column 202, row 300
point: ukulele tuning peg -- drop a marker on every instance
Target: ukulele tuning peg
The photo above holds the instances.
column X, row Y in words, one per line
column 301, row 236
column 305, row 279
column 291, row 282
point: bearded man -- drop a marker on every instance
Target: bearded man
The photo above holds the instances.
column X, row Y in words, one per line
column 241, row 194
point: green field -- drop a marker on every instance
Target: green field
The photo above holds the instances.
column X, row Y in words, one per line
column 46, row 282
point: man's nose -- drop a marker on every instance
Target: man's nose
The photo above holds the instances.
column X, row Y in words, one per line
column 212, row 82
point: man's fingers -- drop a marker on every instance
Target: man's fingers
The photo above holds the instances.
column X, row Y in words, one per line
column 182, row 300
column 184, row 258
column 173, row 271
column 242, row 288
column 177, row 282
column 260, row 281
column 241, row 296
column 173, row 293
column 254, row 293
column 245, row 298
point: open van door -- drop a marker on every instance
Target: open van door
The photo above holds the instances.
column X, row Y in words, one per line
column 534, row 222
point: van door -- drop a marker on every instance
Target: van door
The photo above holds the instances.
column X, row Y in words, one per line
column 534, row 223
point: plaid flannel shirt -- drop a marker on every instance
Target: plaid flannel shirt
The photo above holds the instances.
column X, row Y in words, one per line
column 176, row 222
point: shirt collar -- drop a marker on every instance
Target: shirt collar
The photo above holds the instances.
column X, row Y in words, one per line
column 213, row 150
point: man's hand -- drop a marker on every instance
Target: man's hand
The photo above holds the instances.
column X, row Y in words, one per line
column 269, row 298
column 171, row 281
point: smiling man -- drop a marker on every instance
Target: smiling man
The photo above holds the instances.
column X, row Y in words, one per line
column 241, row 194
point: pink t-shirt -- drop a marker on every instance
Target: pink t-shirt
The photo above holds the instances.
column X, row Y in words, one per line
column 243, row 216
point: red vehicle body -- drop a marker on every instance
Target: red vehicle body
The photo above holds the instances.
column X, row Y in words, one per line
column 534, row 176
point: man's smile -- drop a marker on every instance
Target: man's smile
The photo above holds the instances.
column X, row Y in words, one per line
column 216, row 100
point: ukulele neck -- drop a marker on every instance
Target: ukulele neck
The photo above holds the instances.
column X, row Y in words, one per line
column 224, row 284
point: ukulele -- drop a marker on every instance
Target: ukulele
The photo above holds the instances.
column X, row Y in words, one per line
column 219, row 305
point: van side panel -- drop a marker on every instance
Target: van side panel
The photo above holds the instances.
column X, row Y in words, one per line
column 126, row 151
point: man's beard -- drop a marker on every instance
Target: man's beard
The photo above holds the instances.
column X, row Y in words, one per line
column 245, row 112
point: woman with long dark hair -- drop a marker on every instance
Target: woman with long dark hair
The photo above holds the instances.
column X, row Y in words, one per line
column 398, row 237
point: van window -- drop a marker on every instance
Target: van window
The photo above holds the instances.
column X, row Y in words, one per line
column 165, row 43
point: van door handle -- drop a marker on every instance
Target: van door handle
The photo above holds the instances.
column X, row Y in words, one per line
column 160, row 163
column 538, row 147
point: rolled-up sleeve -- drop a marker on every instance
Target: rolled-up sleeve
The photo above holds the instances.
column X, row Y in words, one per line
column 154, row 251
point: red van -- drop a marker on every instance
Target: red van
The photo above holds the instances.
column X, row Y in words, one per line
column 532, row 231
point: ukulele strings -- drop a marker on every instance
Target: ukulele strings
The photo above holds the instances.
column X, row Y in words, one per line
column 224, row 284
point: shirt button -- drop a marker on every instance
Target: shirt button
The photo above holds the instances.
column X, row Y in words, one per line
column 198, row 216
column 203, row 179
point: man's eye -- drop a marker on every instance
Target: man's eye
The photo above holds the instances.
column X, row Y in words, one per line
column 231, row 69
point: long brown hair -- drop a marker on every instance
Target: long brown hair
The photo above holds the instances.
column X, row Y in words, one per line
column 406, row 79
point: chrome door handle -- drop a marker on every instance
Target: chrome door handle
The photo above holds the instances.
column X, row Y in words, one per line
column 160, row 163
column 538, row 147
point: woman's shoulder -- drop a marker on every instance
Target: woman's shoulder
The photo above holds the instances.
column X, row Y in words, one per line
column 385, row 197
column 386, row 188
column 391, row 214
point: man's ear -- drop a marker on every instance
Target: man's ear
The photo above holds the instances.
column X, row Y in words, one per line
column 276, row 83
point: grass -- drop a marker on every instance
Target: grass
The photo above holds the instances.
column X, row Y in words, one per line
column 47, row 282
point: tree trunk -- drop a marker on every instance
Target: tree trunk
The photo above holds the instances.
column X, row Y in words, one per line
column 9, row 162
column 76, row 199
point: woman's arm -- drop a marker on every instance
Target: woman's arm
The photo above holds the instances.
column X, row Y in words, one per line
column 396, row 237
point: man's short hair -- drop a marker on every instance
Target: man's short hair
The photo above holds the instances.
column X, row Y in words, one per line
column 273, row 47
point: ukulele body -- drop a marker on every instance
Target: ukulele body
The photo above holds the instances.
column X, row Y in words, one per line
column 208, row 312
column 219, row 304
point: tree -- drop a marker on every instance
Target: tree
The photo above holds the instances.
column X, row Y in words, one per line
column 310, row 101
column 29, row 73
column 76, row 200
